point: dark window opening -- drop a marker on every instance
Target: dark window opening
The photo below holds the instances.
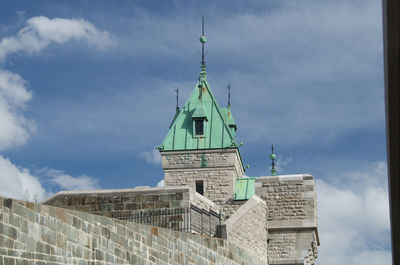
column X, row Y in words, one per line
column 200, row 187
column 199, row 127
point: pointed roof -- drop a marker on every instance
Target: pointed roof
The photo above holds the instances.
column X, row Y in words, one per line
column 201, row 104
column 219, row 128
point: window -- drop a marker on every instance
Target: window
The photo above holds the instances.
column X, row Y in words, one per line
column 199, row 127
column 200, row 187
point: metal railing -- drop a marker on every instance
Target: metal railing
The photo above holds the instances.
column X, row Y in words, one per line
column 190, row 220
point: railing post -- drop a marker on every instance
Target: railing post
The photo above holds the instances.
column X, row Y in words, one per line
column 219, row 217
column 209, row 222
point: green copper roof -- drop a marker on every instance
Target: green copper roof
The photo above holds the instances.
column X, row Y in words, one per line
column 200, row 112
column 244, row 189
column 201, row 105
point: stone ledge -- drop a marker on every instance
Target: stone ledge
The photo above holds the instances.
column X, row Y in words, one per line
column 200, row 151
column 295, row 228
column 287, row 262
column 292, row 223
column 285, row 177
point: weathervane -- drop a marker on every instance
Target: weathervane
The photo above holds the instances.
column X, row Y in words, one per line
column 273, row 157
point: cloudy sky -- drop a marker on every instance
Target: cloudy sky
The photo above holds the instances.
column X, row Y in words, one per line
column 87, row 91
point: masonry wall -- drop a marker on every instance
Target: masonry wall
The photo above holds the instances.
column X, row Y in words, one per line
column 124, row 202
column 217, row 168
column 247, row 227
column 292, row 217
column 45, row 235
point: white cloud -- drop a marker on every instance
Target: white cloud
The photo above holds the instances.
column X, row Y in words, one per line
column 41, row 31
column 15, row 128
column 152, row 157
column 160, row 184
column 65, row 181
column 354, row 218
column 16, row 182
column 282, row 163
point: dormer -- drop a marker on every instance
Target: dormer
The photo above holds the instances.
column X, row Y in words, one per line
column 199, row 120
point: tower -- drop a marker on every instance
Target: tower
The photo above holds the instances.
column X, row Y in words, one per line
column 200, row 149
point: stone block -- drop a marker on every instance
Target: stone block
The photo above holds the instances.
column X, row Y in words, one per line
column 148, row 205
column 105, row 232
column 22, row 262
column 10, row 231
column 61, row 241
column 76, row 222
column 99, row 255
column 162, row 204
column 9, row 261
column 133, row 206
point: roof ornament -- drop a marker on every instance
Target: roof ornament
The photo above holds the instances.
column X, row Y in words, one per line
column 229, row 95
column 203, row 40
column 273, row 157
column 177, row 98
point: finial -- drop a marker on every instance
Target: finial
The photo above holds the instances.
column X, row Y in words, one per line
column 273, row 157
column 203, row 40
column 229, row 95
column 177, row 98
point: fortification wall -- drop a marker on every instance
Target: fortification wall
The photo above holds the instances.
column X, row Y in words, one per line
column 124, row 202
column 292, row 217
column 217, row 168
column 46, row 235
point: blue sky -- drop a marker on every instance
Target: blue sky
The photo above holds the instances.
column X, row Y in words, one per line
column 87, row 91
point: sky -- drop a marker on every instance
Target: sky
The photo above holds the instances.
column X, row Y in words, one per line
column 87, row 92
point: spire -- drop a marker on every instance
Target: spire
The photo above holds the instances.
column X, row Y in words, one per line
column 273, row 157
column 203, row 40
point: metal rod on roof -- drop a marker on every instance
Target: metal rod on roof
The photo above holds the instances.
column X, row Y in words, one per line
column 229, row 94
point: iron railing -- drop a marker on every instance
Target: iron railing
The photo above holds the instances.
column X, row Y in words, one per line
column 190, row 220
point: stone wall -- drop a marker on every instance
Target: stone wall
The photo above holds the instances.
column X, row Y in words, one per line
column 292, row 247
column 217, row 168
column 45, row 235
column 292, row 217
column 247, row 227
column 231, row 206
column 124, row 202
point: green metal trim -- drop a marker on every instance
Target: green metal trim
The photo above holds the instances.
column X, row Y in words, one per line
column 244, row 189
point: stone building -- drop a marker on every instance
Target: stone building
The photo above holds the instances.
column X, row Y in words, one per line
column 207, row 213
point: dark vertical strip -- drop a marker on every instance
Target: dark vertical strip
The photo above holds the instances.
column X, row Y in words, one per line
column 391, row 29
column 223, row 127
